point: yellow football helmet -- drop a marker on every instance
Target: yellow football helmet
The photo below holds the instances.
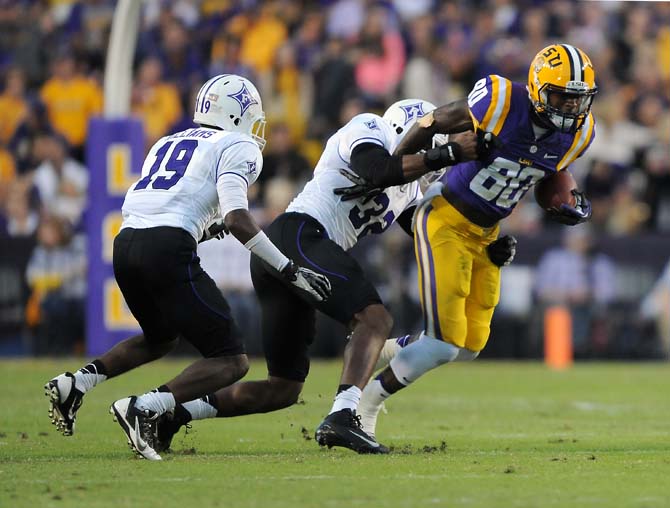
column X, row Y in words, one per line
column 561, row 86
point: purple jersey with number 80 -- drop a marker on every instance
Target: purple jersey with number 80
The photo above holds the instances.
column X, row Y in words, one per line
column 495, row 185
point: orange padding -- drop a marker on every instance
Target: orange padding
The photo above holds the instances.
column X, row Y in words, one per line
column 558, row 337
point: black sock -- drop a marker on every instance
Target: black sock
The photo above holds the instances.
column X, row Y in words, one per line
column 95, row 367
column 181, row 414
column 212, row 401
column 163, row 389
column 384, row 385
column 343, row 388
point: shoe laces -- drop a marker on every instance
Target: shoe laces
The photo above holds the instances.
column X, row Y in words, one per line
column 148, row 425
column 356, row 419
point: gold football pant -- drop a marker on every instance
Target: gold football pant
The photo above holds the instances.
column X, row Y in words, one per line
column 458, row 283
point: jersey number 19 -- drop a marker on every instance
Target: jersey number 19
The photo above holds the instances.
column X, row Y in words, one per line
column 176, row 164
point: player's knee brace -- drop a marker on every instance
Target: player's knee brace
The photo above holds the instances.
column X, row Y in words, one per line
column 421, row 356
column 466, row 355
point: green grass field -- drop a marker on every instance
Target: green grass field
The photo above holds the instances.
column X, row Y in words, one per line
column 472, row 435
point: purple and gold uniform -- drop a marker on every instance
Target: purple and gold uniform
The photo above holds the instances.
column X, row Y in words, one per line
column 459, row 285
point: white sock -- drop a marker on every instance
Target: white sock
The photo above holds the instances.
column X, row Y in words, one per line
column 200, row 409
column 372, row 400
column 347, row 399
column 87, row 377
column 158, row 402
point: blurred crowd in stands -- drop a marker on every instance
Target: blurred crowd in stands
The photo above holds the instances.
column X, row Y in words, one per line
column 317, row 64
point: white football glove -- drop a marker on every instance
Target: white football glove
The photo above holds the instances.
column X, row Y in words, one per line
column 317, row 285
column 216, row 229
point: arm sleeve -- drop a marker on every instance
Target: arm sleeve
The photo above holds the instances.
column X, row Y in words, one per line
column 376, row 165
column 238, row 167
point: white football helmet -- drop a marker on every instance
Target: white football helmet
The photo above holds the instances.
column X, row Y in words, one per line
column 232, row 103
column 401, row 115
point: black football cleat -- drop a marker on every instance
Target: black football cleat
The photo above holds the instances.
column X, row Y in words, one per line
column 64, row 402
column 167, row 427
column 343, row 428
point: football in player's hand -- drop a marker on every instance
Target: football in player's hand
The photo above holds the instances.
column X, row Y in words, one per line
column 555, row 190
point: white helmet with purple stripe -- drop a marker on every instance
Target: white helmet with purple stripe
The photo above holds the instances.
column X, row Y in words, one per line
column 232, row 103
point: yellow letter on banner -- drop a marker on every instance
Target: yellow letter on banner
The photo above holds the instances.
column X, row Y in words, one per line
column 117, row 314
column 119, row 174
column 111, row 225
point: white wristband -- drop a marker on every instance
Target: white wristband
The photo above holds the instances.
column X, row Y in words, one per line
column 267, row 251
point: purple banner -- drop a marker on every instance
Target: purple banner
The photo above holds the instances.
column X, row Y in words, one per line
column 114, row 155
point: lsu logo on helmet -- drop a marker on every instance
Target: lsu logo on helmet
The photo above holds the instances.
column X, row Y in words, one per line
column 566, row 71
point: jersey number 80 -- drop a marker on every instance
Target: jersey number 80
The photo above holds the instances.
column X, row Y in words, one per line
column 504, row 181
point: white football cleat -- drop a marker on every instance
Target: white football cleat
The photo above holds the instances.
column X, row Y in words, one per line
column 139, row 426
column 64, row 402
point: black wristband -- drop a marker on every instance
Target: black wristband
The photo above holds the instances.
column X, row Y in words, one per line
column 289, row 270
column 442, row 156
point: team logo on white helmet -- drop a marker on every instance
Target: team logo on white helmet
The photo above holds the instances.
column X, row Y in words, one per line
column 413, row 111
column 232, row 103
column 243, row 98
column 402, row 114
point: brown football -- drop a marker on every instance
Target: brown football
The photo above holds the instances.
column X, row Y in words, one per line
column 554, row 190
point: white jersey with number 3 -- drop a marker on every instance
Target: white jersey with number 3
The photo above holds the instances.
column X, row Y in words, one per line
column 192, row 177
column 348, row 221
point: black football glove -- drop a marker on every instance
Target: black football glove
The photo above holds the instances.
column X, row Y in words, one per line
column 486, row 143
column 502, row 251
column 216, row 229
column 317, row 285
column 571, row 216
column 361, row 188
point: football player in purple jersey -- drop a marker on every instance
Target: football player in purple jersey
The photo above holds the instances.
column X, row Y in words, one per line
column 541, row 128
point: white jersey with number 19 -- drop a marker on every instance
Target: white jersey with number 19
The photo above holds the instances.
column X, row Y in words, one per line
column 192, row 177
column 348, row 221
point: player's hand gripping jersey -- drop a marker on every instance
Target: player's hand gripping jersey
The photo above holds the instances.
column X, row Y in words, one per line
column 489, row 189
column 347, row 221
column 192, row 177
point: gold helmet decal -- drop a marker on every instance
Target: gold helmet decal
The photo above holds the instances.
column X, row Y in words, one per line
column 558, row 74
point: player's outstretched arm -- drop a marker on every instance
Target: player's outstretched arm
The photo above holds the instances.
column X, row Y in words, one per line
column 375, row 168
column 242, row 226
column 448, row 119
